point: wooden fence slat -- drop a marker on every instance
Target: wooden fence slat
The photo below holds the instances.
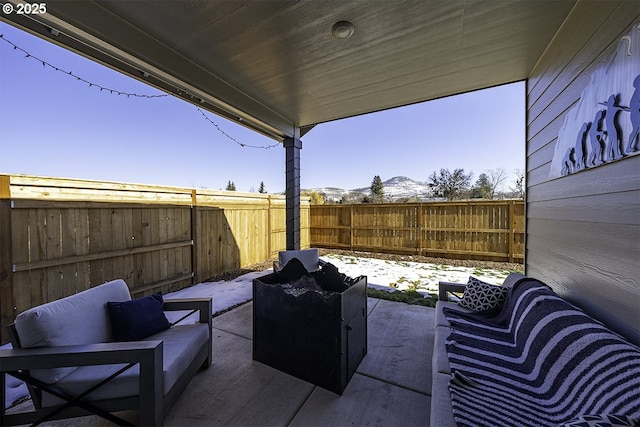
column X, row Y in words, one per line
column 117, row 236
column 53, row 249
column 68, row 240
column 106, row 236
column 95, row 245
column 83, row 269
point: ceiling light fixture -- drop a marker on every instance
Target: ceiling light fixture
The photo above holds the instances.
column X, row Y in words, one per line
column 342, row 29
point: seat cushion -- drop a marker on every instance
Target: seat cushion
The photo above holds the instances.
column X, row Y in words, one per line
column 440, row 358
column 75, row 320
column 441, row 406
column 181, row 344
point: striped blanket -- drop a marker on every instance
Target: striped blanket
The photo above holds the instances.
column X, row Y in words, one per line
column 539, row 361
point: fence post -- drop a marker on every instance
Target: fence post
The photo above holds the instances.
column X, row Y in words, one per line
column 6, row 258
column 195, row 232
column 269, row 243
column 419, row 227
column 512, row 229
column 350, row 226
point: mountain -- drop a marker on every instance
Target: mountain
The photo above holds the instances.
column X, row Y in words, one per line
column 398, row 188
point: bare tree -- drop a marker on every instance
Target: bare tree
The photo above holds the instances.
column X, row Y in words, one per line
column 518, row 187
column 495, row 179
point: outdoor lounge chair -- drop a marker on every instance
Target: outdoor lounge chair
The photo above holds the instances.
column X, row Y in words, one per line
column 65, row 351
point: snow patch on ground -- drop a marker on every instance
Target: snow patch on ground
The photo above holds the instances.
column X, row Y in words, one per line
column 405, row 275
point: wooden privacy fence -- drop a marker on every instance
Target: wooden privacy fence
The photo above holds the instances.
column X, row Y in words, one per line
column 486, row 230
column 61, row 236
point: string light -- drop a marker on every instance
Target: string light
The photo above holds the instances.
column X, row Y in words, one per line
column 242, row 144
column 46, row 64
column 71, row 74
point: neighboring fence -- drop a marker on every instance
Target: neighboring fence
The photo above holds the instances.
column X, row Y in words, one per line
column 486, row 230
column 61, row 236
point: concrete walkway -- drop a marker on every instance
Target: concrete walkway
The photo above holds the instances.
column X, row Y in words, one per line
column 391, row 387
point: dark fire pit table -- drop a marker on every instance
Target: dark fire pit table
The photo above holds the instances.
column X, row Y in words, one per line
column 315, row 335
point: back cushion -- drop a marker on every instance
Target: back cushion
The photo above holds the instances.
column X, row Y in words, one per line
column 75, row 320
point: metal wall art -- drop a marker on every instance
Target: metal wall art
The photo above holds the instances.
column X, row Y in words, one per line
column 604, row 126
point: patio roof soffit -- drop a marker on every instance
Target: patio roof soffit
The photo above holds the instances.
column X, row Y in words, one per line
column 275, row 66
column 203, row 89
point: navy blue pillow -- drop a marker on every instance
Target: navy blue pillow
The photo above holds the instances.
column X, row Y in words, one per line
column 137, row 319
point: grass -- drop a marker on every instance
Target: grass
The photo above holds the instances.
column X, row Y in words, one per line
column 408, row 297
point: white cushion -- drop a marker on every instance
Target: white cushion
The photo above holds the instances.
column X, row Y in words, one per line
column 75, row 320
column 180, row 346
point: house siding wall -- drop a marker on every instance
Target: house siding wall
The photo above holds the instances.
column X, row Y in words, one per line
column 583, row 230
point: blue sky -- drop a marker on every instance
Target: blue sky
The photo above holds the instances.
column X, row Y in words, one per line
column 51, row 124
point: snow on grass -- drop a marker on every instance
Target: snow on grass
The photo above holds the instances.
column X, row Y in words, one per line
column 405, row 275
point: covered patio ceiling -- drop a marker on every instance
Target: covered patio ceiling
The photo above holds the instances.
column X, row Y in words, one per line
column 275, row 67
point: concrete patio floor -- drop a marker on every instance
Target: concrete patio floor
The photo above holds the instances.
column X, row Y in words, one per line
column 391, row 387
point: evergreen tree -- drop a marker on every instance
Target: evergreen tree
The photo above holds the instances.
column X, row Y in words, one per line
column 482, row 188
column 231, row 186
column 261, row 189
column 377, row 190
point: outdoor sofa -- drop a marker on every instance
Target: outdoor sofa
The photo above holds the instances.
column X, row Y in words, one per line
column 65, row 347
column 519, row 354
